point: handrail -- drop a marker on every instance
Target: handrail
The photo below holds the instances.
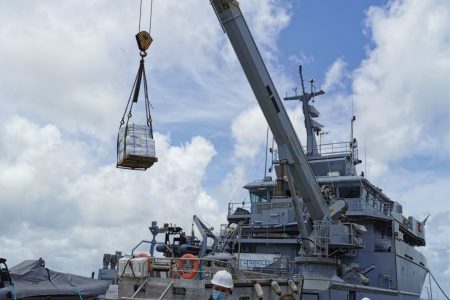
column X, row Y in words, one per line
column 336, row 149
column 233, row 206
column 140, row 243
column 166, row 290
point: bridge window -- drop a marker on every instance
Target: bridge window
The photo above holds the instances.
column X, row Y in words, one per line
column 350, row 192
column 258, row 197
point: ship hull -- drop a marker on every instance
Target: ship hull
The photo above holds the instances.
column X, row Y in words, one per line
column 201, row 289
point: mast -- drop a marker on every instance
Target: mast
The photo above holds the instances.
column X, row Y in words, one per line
column 313, row 127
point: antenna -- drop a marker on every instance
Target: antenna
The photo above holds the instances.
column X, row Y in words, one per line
column 267, row 145
column 313, row 89
column 353, row 120
column 365, row 158
column 351, row 130
column 301, row 80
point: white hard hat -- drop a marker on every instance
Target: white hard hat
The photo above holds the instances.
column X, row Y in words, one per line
column 365, row 298
column 223, row 278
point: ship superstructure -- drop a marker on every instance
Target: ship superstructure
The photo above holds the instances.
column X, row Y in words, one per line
column 378, row 254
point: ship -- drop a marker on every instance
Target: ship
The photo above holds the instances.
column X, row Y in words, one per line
column 369, row 249
column 318, row 230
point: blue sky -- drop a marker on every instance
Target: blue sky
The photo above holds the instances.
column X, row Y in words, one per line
column 342, row 34
column 66, row 70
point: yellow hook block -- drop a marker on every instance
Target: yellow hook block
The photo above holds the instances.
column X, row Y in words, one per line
column 144, row 40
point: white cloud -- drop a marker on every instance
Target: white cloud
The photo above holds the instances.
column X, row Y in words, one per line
column 301, row 58
column 57, row 198
column 72, row 63
column 401, row 90
column 335, row 75
column 66, row 71
column 249, row 130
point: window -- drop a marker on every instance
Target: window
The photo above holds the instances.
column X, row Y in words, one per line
column 257, row 197
column 350, row 192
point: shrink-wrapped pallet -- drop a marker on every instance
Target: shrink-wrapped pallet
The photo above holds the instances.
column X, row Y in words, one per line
column 135, row 147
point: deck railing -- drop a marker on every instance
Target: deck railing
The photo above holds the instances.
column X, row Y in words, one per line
column 342, row 148
column 373, row 207
column 239, row 208
column 327, row 240
column 205, row 268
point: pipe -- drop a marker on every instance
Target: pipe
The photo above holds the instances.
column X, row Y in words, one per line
column 298, row 214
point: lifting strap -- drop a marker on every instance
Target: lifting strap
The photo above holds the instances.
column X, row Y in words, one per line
column 134, row 96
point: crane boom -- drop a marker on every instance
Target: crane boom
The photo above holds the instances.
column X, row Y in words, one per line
column 289, row 147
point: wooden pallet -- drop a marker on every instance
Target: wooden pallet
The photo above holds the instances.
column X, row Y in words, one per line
column 136, row 162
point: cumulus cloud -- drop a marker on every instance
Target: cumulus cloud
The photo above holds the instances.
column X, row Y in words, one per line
column 301, row 58
column 59, row 202
column 84, row 57
column 335, row 75
column 249, row 130
column 62, row 197
column 401, row 89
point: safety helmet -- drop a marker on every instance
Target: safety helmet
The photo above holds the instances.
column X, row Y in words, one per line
column 223, row 278
column 365, row 298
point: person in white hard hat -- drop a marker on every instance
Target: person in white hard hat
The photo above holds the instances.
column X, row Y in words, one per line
column 222, row 285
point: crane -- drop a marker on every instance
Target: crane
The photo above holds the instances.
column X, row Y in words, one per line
column 289, row 147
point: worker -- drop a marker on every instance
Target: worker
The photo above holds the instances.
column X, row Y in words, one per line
column 222, row 285
column 286, row 297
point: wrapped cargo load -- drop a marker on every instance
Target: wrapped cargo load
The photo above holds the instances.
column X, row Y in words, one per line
column 135, row 147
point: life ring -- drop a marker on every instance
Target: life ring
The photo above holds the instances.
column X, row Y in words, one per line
column 181, row 261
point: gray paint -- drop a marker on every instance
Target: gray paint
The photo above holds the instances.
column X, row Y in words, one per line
column 369, row 250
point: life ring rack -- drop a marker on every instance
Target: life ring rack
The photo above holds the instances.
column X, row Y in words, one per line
column 182, row 260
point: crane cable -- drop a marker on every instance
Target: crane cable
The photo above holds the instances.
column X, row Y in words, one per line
column 151, row 16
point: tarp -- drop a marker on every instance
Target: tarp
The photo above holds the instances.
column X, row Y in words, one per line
column 31, row 279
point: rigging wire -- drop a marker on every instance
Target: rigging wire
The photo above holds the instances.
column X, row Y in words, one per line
column 151, row 17
column 140, row 16
column 435, row 281
column 431, row 290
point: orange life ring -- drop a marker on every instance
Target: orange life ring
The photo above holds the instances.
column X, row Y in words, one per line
column 181, row 261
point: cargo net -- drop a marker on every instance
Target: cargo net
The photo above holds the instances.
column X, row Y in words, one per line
column 135, row 144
